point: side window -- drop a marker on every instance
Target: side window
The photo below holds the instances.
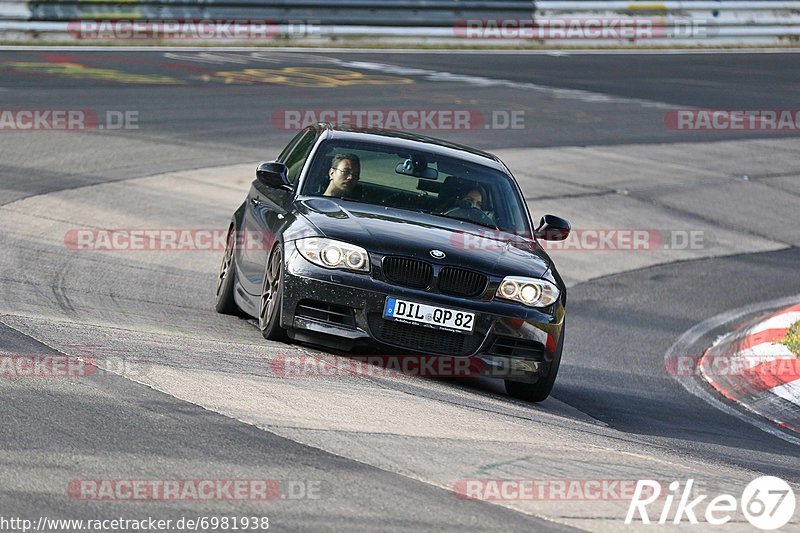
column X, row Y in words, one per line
column 293, row 156
column 288, row 149
column 297, row 157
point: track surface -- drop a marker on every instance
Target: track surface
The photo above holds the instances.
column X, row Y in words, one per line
column 385, row 450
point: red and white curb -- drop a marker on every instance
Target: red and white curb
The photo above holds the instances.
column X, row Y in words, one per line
column 751, row 368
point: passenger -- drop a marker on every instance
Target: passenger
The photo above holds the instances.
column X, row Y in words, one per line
column 450, row 198
column 472, row 198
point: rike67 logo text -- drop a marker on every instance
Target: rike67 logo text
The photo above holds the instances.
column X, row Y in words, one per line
column 767, row 503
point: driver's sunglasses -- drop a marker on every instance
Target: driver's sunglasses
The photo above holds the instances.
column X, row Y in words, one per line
column 346, row 172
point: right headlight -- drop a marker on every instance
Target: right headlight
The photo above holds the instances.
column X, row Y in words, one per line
column 333, row 254
column 533, row 292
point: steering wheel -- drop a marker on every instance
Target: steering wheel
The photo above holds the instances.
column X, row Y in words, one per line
column 471, row 214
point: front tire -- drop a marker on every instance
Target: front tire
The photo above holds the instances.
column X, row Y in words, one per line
column 539, row 391
column 226, row 280
column 269, row 309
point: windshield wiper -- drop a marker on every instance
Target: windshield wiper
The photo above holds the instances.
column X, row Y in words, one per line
column 493, row 226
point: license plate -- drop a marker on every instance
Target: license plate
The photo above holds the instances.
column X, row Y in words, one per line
column 429, row 315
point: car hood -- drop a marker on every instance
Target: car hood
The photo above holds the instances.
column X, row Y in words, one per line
column 390, row 231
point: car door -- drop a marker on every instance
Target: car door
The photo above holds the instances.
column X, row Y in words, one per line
column 265, row 213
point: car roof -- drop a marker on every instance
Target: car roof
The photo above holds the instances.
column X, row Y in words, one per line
column 413, row 141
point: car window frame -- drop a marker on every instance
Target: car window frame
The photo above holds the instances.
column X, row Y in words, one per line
column 287, row 155
column 280, row 197
column 514, row 184
column 290, row 146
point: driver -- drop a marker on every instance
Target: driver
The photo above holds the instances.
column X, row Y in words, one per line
column 343, row 175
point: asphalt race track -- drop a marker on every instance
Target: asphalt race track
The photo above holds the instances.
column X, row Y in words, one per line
column 184, row 393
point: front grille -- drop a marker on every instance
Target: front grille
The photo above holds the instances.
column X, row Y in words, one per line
column 407, row 272
column 422, row 339
column 521, row 348
column 461, row 282
column 340, row 315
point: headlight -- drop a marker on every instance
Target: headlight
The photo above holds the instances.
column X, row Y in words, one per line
column 532, row 292
column 333, row 254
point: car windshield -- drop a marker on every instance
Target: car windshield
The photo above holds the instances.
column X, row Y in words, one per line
column 416, row 180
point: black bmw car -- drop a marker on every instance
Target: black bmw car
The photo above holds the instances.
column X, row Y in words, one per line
column 398, row 242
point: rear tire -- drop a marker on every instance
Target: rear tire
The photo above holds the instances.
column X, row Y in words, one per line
column 539, row 391
column 226, row 280
column 269, row 309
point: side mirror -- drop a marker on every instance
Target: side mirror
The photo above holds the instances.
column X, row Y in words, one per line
column 552, row 228
column 274, row 175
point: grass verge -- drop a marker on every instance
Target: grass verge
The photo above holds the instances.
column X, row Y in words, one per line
column 792, row 339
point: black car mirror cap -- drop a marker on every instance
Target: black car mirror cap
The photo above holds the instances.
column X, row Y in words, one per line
column 552, row 228
column 274, row 175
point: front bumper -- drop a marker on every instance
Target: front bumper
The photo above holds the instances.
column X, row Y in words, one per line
column 344, row 310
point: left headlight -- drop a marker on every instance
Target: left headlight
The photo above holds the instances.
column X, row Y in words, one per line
column 333, row 254
column 532, row 292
